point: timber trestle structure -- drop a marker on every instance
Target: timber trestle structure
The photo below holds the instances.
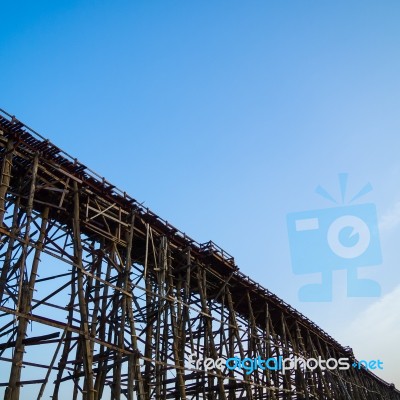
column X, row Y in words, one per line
column 102, row 299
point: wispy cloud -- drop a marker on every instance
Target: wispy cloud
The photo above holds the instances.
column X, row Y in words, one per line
column 375, row 334
column 391, row 219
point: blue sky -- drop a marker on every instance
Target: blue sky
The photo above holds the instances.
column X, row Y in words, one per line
column 223, row 117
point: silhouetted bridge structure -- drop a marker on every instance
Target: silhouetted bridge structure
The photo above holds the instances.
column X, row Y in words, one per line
column 102, row 299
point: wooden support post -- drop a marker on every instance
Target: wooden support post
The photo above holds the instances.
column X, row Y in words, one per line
column 11, row 242
column 85, row 338
column 209, row 337
column 5, row 176
column 13, row 389
column 177, row 342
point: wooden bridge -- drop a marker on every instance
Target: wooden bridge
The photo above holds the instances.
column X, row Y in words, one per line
column 102, row 299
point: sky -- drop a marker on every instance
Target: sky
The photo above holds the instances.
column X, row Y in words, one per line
column 223, row 117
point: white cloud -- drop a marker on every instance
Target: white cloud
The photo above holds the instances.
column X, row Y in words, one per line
column 391, row 219
column 375, row 334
